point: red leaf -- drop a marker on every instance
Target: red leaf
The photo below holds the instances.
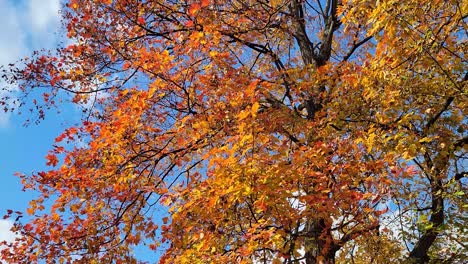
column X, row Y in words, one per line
column 52, row 160
column 194, row 8
column 205, row 3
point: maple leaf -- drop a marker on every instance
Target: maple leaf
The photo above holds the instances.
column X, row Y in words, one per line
column 52, row 160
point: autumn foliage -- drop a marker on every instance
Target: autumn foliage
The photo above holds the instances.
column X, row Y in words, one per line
column 251, row 132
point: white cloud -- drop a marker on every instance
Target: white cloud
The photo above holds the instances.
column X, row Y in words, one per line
column 12, row 39
column 43, row 21
column 43, row 14
column 23, row 32
column 4, row 116
column 5, row 233
column 12, row 44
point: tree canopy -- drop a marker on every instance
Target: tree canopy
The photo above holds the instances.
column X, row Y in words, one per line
column 282, row 131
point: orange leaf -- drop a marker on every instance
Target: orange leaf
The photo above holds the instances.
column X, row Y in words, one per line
column 52, row 160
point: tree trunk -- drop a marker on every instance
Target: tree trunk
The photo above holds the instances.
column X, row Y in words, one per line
column 420, row 250
column 319, row 246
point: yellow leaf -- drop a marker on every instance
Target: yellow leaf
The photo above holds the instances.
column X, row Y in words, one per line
column 213, row 53
column 255, row 108
column 370, row 142
column 201, row 125
column 243, row 115
column 424, row 140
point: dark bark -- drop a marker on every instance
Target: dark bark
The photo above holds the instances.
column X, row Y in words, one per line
column 300, row 34
column 319, row 246
column 318, row 54
column 420, row 250
column 419, row 254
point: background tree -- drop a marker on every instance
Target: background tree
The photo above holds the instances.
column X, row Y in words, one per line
column 272, row 131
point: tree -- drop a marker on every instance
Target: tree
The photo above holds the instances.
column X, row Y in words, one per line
column 272, row 131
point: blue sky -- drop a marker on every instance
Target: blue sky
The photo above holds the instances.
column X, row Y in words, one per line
column 27, row 25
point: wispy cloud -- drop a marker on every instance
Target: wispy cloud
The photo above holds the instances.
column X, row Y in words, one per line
column 26, row 25
column 43, row 14
column 12, row 44
column 5, row 233
column 42, row 23
column 12, row 39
